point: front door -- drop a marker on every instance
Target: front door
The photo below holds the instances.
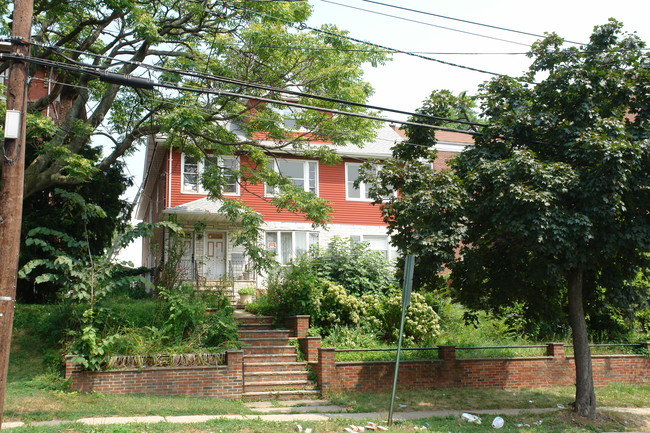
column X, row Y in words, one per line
column 215, row 255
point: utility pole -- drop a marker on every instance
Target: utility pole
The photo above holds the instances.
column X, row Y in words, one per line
column 11, row 190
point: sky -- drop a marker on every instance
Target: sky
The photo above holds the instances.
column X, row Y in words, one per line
column 406, row 81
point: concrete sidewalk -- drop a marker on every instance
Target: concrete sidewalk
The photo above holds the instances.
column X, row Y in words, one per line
column 291, row 417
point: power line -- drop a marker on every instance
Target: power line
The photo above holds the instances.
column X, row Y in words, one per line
column 206, row 112
column 426, row 24
column 281, row 90
column 304, row 26
column 458, row 19
column 138, row 82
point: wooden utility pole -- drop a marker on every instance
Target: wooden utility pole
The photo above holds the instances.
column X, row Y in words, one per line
column 11, row 190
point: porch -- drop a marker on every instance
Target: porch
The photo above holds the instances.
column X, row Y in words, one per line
column 206, row 256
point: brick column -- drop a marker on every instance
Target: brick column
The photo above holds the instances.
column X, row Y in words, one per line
column 447, row 353
column 70, row 366
column 235, row 363
column 326, row 368
column 309, row 347
column 298, row 324
column 556, row 350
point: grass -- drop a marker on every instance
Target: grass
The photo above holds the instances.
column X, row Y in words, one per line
column 558, row 422
column 467, row 399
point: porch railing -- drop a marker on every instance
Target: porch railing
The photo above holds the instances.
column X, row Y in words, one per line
column 187, row 270
column 238, row 270
column 241, row 270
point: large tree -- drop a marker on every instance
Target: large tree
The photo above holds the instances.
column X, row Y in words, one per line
column 551, row 206
column 225, row 47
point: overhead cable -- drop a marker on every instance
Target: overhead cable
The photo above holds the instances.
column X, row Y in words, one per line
column 426, row 24
column 304, row 26
column 108, row 76
column 459, row 20
column 139, row 82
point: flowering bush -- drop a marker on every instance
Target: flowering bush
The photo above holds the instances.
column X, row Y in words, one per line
column 422, row 324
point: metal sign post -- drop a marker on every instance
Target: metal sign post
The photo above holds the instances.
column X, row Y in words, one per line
column 406, row 301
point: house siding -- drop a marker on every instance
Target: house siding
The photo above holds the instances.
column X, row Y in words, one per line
column 331, row 186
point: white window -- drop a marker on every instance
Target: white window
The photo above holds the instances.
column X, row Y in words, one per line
column 379, row 243
column 289, row 245
column 192, row 170
column 303, row 174
column 351, row 175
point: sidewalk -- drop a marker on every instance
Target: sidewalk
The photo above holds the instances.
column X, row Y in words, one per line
column 312, row 416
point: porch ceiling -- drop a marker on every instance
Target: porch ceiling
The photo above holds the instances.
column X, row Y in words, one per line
column 203, row 209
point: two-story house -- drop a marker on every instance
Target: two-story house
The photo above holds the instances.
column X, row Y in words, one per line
column 172, row 186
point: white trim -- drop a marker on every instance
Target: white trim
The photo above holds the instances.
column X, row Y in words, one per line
column 305, row 173
column 169, row 179
column 361, row 189
column 200, row 167
column 363, row 192
column 293, row 254
column 445, row 146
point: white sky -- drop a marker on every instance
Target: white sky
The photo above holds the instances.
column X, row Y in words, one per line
column 406, row 81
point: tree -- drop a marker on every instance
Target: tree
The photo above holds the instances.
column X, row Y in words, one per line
column 550, row 206
column 59, row 210
column 190, row 45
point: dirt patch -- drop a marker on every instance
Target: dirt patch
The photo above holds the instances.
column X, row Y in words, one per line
column 612, row 421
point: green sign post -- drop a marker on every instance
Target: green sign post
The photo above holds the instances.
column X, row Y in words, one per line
column 409, row 263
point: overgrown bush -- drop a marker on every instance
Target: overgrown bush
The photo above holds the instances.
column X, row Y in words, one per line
column 422, row 323
column 353, row 265
column 298, row 290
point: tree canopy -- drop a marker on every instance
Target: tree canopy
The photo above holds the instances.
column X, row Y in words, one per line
column 202, row 55
column 550, row 207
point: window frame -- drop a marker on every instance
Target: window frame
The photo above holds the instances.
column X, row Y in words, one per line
column 309, row 240
column 388, row 252
column 200, row 167
column 363, row 186
column 273, row 191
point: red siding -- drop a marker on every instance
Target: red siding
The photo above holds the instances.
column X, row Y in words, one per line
column 331, row 187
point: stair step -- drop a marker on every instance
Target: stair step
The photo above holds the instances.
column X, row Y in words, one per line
column 255, row 327
column 292, row 403
column 265, row 358
column 269, row 350
column 279, row 385
column 264, row 333
column 300, row 409
column 281, row 395
column 269, row 341
column 273, row 366
column 259, row 377
column 255, row 320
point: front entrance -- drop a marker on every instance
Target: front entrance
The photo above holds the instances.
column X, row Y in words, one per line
column 214, row 255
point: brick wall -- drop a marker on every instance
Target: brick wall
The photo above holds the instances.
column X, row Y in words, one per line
column 224, row 381
column 556, row 369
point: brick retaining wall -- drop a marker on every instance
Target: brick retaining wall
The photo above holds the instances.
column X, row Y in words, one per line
column 544, row 371
column 223, row 381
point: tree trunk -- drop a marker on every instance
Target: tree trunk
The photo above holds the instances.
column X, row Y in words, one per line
column 585, row 403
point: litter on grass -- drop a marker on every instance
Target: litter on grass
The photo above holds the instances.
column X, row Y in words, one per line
column 498, row 422
column 470, row 418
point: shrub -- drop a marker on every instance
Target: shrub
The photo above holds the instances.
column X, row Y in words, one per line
column 422, row 324
column 353, row 265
